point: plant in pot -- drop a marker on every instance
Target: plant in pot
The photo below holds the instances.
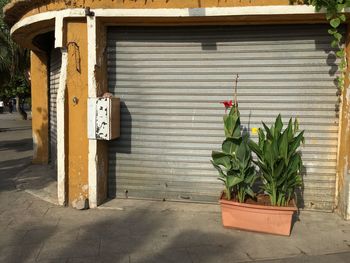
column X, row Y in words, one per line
column 279, row 163
column 234, row 162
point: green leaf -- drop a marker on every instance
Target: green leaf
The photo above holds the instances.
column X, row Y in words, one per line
column 278, row 125
column 269, row 135
column 332, row 31
column 342, row 18
column 243, row 154
column 232, row 181
column 334, row 43
column 335, row 22
column 220, row 158
column 283, row 146
column 230, row 145
column 250, row 192
column 296, row 143
column 338, row 36
column 255, row 148
column 221, row 172
column 232, row 126
column 261, row 138
column 268, row 154
column 340, row 53
column 290, row 130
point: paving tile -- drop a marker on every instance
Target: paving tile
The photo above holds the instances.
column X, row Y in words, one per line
column 50, row 233
column 163, row 256
column 65, row 250
column 212, row 253
column 121, row 258
column 118, row 245
column 23, row 253
column 11, row 237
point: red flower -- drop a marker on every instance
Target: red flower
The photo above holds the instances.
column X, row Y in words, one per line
column 227, row 104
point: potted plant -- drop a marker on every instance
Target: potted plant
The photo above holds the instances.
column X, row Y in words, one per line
column 234, row 162
column 271, row 208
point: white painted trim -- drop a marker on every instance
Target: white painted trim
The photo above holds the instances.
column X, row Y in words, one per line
column 73, row 12
column 61, row 154
column 59, row 27
column 92, row 93
column 209, row 11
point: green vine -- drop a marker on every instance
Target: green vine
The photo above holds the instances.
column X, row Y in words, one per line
column 335, row 16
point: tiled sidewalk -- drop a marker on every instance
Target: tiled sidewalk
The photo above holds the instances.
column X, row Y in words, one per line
column 33, row 230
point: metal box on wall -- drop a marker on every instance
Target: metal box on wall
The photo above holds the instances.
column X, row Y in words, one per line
column 103, row 118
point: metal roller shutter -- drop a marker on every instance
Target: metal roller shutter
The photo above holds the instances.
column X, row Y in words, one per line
column 171, row 81
column 55, row 68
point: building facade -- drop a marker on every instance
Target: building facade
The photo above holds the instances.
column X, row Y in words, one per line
column 171, row 63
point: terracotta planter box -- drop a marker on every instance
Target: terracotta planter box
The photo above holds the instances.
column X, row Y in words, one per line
column 258, row 218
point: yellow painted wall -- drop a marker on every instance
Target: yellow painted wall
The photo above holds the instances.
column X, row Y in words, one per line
column 40, row 115
column 76, row 112
column 344, row 145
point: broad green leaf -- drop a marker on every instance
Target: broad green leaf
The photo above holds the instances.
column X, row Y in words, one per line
column 278, row 125
column 290, row 130
column 268, row 132
column 250, row 192
column 232, row 181
column 237, row 131
column 220, row 158
column 255, row 148
column 283, row 146
column 268, row 152
column 296, row 143
column 229, row 125
column 230, row 145
column 261, row 138
column 242, row 154
column 221, row 173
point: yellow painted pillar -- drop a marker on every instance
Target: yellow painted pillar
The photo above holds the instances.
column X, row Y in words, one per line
column 76, row 112
column 344, row 144
column 40, row 107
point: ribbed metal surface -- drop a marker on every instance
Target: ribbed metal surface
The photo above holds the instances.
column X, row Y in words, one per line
column 55, row 67
column 171, row 81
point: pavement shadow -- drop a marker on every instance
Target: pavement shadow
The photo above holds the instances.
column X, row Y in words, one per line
column 140, row 235
column 22, row 145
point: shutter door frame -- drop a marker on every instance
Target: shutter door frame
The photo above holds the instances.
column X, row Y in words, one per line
column 54, row 75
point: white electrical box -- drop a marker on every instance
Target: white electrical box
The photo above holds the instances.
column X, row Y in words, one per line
column 103, row 118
